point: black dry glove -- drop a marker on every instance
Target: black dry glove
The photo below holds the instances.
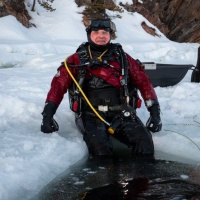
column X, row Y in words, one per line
column 154, row 122
column 49, row 125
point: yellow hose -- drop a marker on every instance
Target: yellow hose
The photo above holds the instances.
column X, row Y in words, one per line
column 87, row 100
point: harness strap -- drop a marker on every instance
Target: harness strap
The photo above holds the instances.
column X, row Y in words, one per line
column 124, row 80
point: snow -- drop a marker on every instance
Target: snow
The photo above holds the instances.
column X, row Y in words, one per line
column 29, row 59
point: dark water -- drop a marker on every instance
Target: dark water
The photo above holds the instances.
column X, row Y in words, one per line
column 144, row 188
column 125, row 178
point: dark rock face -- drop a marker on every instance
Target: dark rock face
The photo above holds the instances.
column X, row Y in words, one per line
column 179, row 20
column 17, row 9
column 183, row 20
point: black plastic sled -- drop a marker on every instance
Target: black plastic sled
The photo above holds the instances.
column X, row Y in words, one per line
column 164, row 75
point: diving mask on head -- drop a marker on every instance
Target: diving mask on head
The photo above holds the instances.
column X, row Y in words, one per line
column 103, row 24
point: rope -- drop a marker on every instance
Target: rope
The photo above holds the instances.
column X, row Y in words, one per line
column 182, row 125
column 185, row 137
column 197, row 124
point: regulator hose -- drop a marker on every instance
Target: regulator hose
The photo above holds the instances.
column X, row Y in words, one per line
column 110, row 129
